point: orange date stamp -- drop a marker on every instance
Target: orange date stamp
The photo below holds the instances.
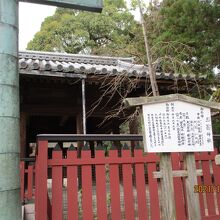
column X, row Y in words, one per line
column 206, row 188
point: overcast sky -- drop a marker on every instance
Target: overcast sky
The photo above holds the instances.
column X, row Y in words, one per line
column 30, row 18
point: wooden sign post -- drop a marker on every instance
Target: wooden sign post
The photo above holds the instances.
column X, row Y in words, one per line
column 176, row 123
column 217, row 159
column 167, row 189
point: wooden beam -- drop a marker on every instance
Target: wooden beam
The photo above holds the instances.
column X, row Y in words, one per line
column 170, row 98
column 87, row 5
column 217, row 159
column 79, row 130
column 50, row 110
column 99, row 79
column 51, row 74
column 177, row 173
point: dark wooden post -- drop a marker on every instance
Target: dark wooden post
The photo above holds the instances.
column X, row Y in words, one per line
column 116, row 130
column 41, row 200
column 133, row 127
column 79, row 130
column 23, row 124
column 168, row 202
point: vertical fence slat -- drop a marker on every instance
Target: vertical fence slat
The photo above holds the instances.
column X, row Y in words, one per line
column 36, row 189
column 41, row 184
column 87, row 187
column 101, row 187
column 128, row 187
column 22, row 173
column 182, row 167
column 216, row 173
column 208, row 182
column 199, row 179
column 49, row 208
column 178, row 189
column 114, row 187
column 72, row 188
column 153, row 191
column 30, row 182
column 57, row 184
column 140, row 187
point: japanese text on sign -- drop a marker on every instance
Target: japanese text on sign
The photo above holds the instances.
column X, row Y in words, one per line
column 177, row 127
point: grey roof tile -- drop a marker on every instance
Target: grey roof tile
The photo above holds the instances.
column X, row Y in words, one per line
column 87, row 65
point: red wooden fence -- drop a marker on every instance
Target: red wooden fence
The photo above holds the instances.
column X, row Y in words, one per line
column 137, row 195
column 210, row 198
column 27, row 175
column 122, row 194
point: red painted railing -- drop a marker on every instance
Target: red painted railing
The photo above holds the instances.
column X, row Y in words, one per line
column 124, row 186
column 27, row 175
column 210, row 207
column 122, row 190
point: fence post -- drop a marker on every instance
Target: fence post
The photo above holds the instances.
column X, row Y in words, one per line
column 101, row 185
column 22, row 173
column 30, row 181
column 168, row 201
column 191, row 180
column 114, row 185
column 86, row 185
column 41, row 181
column 140, row 186
column 72, row 186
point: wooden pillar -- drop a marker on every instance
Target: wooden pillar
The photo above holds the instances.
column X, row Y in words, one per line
column 79, row 123
column 167, row 189
column 84, row 105
column 193, row 205
column 116, row 130
column 133, row 128
column 79, row 130
column 92, row 147
column 23, row 133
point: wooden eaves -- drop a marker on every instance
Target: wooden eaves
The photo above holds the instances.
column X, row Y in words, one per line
column 214, row 106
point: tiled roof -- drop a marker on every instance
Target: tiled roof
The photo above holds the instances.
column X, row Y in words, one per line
column 68, row 65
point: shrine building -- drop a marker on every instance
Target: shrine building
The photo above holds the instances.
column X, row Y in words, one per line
column 52, row 93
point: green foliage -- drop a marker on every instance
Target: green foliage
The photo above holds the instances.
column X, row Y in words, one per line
column 183, row 34
column 108, row 33
column 216, row 95
column 189, row 25
column 216, row 120
column 216, row 126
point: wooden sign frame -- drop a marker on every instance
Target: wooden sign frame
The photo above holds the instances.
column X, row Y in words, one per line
column 168, row 203
column 177, row 126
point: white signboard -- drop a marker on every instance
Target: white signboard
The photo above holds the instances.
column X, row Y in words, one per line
column 177, row 127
